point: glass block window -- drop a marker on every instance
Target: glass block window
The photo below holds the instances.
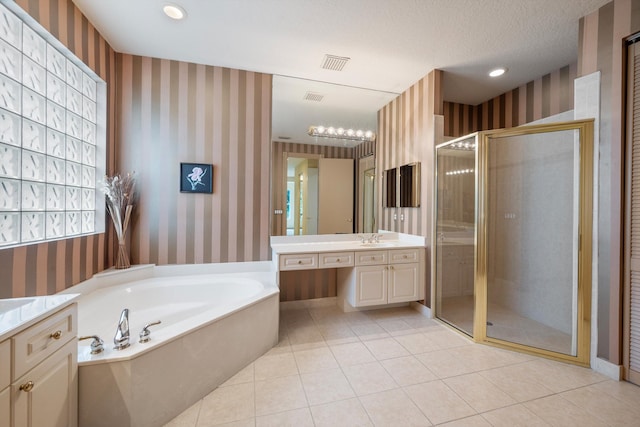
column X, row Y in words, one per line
column 52, row 136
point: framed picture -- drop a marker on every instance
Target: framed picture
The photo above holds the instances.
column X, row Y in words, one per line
column 196, row 178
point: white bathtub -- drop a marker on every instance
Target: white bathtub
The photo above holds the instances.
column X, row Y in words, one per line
column 215, row 321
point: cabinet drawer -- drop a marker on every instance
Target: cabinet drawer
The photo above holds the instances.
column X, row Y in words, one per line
column 5, row 364
column 298, row 262
column 33, row 345
column 335, row 259
column 401, row 256
column 371, row 257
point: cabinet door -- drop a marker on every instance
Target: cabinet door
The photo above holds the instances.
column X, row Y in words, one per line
column 50, row 392
column 5, row 407
column 404, row 283
column 371, row 285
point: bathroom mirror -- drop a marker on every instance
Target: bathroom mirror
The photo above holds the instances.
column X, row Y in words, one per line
column 390, row 187
column 410, row 185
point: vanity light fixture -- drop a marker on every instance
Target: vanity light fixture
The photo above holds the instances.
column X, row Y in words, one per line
column 497, row 72
column 174, row 11
column 341, row 133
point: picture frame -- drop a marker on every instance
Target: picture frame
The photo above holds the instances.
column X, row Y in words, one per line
column 196, row 178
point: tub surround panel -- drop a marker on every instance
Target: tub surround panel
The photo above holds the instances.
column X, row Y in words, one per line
column 46, row 268
column 546, row 96
column 155, row 384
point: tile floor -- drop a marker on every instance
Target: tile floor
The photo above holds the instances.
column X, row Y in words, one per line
column 395, row 367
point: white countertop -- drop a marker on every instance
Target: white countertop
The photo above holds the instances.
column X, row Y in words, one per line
column 17, row 314
column 343, row 242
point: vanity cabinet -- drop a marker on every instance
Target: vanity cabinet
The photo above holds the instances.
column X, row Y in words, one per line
column 44, row 387
column 5, row 383
column 382, row 277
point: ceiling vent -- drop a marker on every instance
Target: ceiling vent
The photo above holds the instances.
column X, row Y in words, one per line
column 312, row 96
column 334, row 63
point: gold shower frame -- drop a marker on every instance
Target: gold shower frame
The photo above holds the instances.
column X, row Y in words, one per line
column 585, row 239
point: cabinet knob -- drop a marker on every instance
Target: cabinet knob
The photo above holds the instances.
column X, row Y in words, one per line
column 404, row 256
column 299, row 261
column 28, row 386
column 56, row 335
column 338, row 260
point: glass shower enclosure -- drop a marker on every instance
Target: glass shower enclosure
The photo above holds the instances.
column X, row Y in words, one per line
column 512, row 238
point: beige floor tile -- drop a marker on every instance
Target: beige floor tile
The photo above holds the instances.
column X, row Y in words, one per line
column 408, row 370
column 352, row 354
column 445, row 363
column 188, row 418
column 516, row 415
column 386, row 348
column 296, row 418
column 279, row 395
column 369, row 378
column 603, row 406
column 342, row 413
column 394, row 325
column 250, row 422
column 559, row 412
column 305, row 335
column 621, row 390
column 559, row 376
column 393, row 408
column 474, row 421
column 246, row 375
column 478, row 392
column 314, row 360
column 336, row 331
column 417, row 343
column 326, row 386
column 418, row 321
column 517, row 383
column 274, row 366
column 369, row 331
column 438, row 402
column 227, row 404
column 444, row 338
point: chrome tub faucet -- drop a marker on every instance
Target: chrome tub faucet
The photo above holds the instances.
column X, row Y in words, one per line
column 121, row 340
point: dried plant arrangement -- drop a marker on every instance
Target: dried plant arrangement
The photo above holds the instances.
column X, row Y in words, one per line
column 120, row 195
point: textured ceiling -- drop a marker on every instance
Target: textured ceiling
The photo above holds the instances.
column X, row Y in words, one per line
column 391, row 43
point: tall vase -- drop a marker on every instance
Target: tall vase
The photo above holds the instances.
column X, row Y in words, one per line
column 122, row 259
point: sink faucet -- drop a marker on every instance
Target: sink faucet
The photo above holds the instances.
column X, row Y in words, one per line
column 121, row 340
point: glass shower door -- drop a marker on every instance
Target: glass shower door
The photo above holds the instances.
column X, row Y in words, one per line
column 455, row 232
column 536, row 213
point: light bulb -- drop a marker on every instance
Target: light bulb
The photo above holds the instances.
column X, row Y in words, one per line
column 174, row 11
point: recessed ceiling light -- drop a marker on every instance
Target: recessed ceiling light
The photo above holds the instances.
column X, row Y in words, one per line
column 498, row 72
column 174, row 11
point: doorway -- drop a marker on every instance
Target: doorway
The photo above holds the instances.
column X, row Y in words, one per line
column 319, row 194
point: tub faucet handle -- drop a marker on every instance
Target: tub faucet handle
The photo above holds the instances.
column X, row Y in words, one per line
column 97, row 345
column 121, row 340
column 145, row 332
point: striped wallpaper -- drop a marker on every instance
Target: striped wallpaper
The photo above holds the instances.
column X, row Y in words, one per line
column 46, row 268
column 601, row 48
column 408, row 130
column 546, row 96
column 172, row 112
